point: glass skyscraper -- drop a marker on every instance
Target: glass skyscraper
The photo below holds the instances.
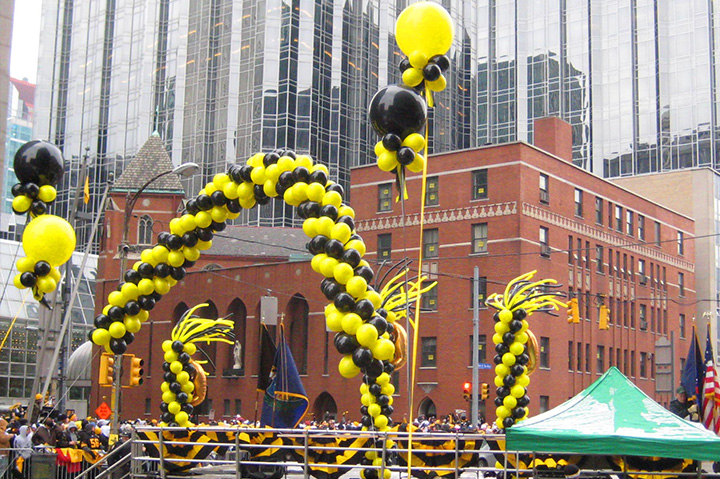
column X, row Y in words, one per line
column 222, row 79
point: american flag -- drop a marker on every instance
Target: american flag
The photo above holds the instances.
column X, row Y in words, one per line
column 711, row 390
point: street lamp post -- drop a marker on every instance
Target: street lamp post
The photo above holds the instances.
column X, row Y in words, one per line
column 186, row 170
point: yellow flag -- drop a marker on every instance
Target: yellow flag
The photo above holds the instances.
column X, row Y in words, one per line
column 86, row 190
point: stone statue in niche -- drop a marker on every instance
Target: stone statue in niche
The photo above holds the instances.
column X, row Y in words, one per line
column 237, row 355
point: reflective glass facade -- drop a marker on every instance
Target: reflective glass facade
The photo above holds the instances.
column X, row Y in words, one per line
column 222, row 79
column 20, row 313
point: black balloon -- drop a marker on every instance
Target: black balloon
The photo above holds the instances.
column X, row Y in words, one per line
column 345, row 344
column 508, row 422
column 515, row 326
column 118, row 346
column 352, row 257
column 442, row 61
column 132, row 308
column 431, row 72
column 116, row 313
column 204, row 202
column 39, row 162
column 375, row 369
column 365, row 272
column 518, row 412
column 175, row 387
column 364, row 308
column 317, row 244
column 509, row 380
column 318, row 176
column 38, row 208
column 397, row 109
column 146, row 270
column 517, row 370
column 330, row 211
column 132, row 276
column 102, row 321
column 331, row 288
column 334, row 249
column 42, row 268
column 344, row 302
column 178, row 346
column 129, row 337
column 519, row 314
column 405, row 155
column 32, row 190
column 523, row 401
column 362, row 357
column 380, row 324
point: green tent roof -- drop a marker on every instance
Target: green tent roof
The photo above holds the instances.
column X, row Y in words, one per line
column 614, row 417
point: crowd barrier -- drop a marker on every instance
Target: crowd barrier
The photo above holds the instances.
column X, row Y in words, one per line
column 255, row 453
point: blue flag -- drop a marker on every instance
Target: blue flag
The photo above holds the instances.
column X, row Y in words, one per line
column 693, row 372
column 285, row 402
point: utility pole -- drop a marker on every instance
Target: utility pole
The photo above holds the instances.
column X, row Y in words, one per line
column 476, row 344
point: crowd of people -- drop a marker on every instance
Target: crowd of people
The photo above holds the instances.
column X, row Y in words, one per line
column 21, row 438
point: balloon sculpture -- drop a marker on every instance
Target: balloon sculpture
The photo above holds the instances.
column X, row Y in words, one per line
column 185, row 381
column 424, row 33
column 48, row 240
column 515, row 344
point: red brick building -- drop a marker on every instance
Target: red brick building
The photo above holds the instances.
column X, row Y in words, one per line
column 512, row 209
column 507, row 209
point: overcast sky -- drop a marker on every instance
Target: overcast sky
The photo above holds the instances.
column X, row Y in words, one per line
column 25, row 39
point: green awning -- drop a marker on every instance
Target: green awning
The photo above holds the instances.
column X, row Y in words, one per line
column 614, row 417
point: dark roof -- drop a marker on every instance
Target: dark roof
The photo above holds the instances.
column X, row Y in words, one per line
column 261, row 241
column 149, row 161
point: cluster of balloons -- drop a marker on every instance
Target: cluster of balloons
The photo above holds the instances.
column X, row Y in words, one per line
column 38, row 166
column 424, row 33
column 178, row 383
column 365, row 331
column 48, row 241
column 515, row 347
column 184, row 380
column 511, row 369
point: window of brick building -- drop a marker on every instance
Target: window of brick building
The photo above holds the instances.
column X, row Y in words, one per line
column 385, row 197
column 479, row 185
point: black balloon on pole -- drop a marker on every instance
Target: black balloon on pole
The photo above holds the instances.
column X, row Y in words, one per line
column 397, row 109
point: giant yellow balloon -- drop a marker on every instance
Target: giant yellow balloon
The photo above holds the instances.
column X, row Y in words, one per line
column 424, row 27
column 49, row 238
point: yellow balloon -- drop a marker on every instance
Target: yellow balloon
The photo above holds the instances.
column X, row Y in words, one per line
column 367, row 335
column 218, row 214
column 132, row 325
column 356, row 286
column 203, row 245
column 176, row 367
column 351, row 322
column 332, row 198
column 517, row 391
column 356, row 244
column 269, row 188
column 192, row 254
column 508, row 359
column 25, row 264
column 47, row 193
column 510, row 402
column 373, row 297
column 49, row 238
column 380, row 421
column 387, row 161
column 21, row 203
column 130, row 291
column 116, row 298
column 117, row 329
column 343, row 272
column 418, row 164
column 161, row 285
column 327, row 268
column 310, row 227
column 17, row 283
column 300, row 192
column 316, row 262
column 203, row 219
column 190, row 348
column 257, row 175
column 168, row 396
column 324, row 225
column 374, row 410
column 383, row 349
column 437, row 85
column 101, row 337
column 425, row 27
column 415, row 141
column 503, row 412
column 176, row 258
column 174, row 407
column 345, row 210
column 230, row 190
column 315, row 192
column 46, row 284
column 146, row 286
column 333, row 321
column 347, row 367
column 176, row 227
column 246, row 190
column 499, row 382
column 502, row 370
column 412, row 76
column 341, row 232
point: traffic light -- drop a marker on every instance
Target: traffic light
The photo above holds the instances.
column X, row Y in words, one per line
column 604, row 316
column 107, row 369
column 573, row 311
column 484, row 391
column 136, row 371
column 467, row 390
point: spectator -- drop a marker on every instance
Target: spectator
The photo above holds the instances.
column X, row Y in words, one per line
column 47, row 433
column 680, row 406
column 69, row 437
